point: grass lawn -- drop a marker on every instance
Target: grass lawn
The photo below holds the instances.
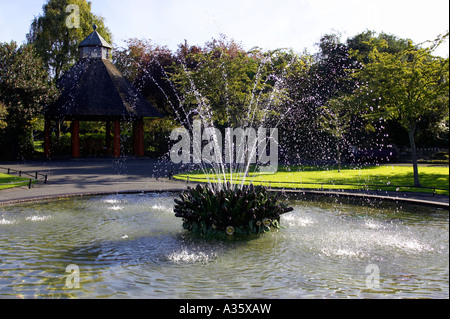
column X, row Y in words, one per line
column 382, row 177
column 10, row 181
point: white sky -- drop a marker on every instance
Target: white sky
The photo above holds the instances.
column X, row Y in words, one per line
column 269, row 24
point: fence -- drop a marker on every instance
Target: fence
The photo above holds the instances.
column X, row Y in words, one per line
column 35, row 177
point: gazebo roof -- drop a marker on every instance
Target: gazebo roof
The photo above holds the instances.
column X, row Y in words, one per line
column 93, row 89
column 95, row 39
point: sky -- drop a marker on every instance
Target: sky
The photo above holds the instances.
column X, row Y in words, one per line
column 268, row 24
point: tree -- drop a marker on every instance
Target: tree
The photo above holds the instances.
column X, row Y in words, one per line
column 334, row 69
column 145, row 64
column 226, row 85
column 58, row 31
column 25, row 88
column 316, row 122
column 408, row 85
column 362, row 44
column 3, row 113
column 335, row 119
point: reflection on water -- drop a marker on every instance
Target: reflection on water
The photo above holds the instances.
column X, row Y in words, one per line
column 132, row 246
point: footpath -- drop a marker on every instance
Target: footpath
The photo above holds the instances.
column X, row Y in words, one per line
column 87, row 176
column 77, row 177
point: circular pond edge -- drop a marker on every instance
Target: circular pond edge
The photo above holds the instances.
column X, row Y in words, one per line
column 288, row 193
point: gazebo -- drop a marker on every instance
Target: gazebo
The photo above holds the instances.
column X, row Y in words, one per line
column 94, row 90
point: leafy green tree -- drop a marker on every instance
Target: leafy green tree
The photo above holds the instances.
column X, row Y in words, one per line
column 25, row 88
column 409, row 86
column 58, row 31
column 317, row 125
column 216, row 80
column 145, row 64
column 362, row 44
column 227, row 85
column 3, row 113
column 374, row 131
column 335, row 119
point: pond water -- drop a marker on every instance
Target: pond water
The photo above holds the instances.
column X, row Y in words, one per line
column 132, row 246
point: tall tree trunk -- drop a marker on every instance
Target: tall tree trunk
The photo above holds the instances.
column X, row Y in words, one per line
column 411, row 133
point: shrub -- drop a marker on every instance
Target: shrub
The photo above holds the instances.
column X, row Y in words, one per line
column 440, row 156
column 233, row 210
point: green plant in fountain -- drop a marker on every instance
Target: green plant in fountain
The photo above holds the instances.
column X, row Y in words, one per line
column 231, row 210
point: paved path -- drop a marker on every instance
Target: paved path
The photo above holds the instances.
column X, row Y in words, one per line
column 98, row 176
column 86, row 176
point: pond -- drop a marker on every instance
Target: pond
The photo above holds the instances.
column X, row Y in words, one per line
column 132, row 246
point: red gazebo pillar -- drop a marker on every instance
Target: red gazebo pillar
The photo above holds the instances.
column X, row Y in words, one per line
column 108, row 138
column 76, row 138
column 47, row 138
column 116, row 140
column 138, row 137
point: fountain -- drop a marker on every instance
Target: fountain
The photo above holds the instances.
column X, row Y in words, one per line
column 132, row 245
column 224, row 205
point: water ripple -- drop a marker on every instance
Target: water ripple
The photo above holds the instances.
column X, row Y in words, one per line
column 130, row 246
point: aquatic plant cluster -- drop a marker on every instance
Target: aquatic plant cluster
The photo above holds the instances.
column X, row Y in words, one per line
column 229, row 210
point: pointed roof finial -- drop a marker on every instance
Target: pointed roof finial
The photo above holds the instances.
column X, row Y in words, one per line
column 94, row 26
